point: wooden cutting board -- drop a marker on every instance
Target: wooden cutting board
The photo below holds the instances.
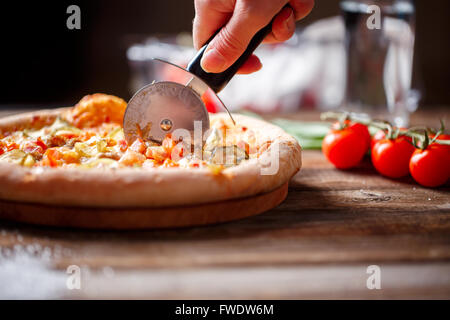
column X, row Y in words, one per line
column 142, row 218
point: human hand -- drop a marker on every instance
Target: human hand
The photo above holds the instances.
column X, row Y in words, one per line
column 239, row 21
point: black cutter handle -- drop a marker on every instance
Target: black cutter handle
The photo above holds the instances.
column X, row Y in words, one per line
column 217, row 81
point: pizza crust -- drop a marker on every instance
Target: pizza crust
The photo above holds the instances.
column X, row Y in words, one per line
column 153, row 187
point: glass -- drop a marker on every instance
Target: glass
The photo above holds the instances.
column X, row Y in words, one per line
column 380, row 60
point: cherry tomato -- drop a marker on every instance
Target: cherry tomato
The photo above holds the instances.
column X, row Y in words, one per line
column 345, row 148
column 359, row 128
column 379, row 135
column 430, row 167
column 364, row 132
column 442, row 137
column 391, row 156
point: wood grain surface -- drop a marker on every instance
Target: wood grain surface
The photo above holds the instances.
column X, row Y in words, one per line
column 141, row 218
column 317, row 244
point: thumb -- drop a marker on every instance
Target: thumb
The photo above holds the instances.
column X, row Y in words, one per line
column 230, row 43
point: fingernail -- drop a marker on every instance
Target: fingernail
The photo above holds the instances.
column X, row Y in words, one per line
column 286, row 13
column 213, row 61
column 290, row 21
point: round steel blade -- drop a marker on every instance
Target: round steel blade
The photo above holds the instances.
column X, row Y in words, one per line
column 160, row 108
column 197, row 84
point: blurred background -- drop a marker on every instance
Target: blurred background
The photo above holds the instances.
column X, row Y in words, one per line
column 45, row 64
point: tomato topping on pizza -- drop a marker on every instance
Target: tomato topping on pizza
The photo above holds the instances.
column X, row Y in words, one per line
column 90, row 135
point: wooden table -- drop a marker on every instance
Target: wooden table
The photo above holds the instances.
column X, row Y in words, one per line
column 317, row 244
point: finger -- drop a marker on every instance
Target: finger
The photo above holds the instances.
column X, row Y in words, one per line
column 301, row 8
column 210, row 16
column 283, row 27
column 232, row 40
column 252, row 64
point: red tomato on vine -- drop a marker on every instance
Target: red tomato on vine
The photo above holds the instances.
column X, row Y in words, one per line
column 390, row 157
column 430, row 163
column 379, row 135
column 444, row 137
column 430, row 167
column 345, row 145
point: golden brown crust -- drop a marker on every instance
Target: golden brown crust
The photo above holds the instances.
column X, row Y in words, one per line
column 152, row 187
column 95, row 109
column 30, row 119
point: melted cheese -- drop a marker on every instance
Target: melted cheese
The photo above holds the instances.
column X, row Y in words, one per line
column 66, row 143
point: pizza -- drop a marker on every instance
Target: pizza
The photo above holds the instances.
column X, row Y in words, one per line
column 78, row 156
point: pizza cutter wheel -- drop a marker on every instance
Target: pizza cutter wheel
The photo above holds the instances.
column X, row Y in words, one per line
column 164, row 106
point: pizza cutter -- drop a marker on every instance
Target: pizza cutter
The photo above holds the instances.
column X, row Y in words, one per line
column 164, row 106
